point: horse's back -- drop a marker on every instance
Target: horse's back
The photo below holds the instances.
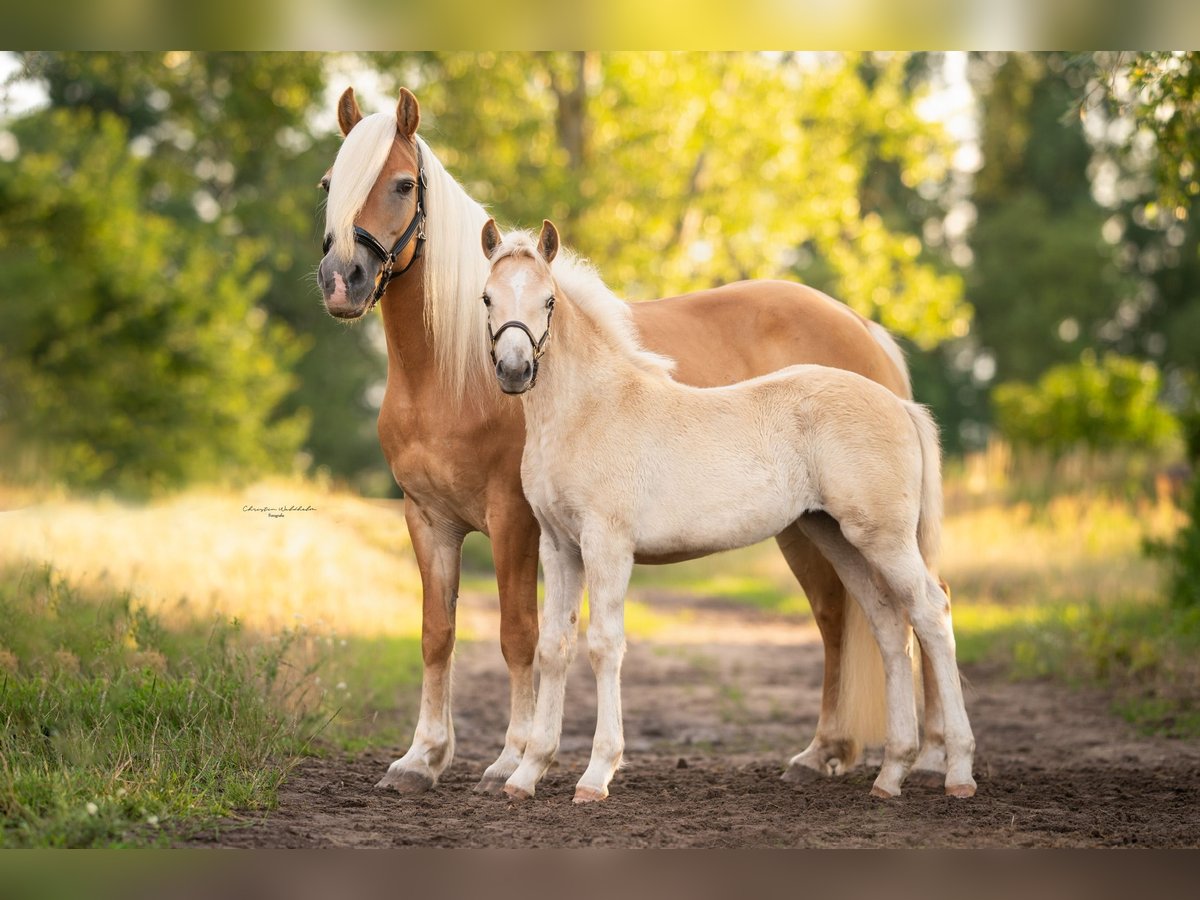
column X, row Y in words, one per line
column 738, row 331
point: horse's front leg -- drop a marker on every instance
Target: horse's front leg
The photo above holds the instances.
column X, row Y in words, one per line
column 608, row 564
column 556, row 648
column 438, row 547
column 514, row 533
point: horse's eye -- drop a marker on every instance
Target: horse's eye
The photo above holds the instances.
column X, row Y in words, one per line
column 323, row 184
column 487, row 301
column 550, row 302
column 405, row 186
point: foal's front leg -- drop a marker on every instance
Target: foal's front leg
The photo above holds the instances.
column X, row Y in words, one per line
column 556, row 648
column 608, row 567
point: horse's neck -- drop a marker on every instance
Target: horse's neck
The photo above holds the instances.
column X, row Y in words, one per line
column 411, row 364
column 582, row 372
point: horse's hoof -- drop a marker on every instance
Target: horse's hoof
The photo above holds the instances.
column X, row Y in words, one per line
column 800, row 774
column 491, row 784
column 406, row 782
column 926, row 778
column 589, row 795
column 516, row 793
column 967, row 789
column 882, row 793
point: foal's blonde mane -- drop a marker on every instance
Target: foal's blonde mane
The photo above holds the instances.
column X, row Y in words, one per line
column 581, row 284
column 455, row 268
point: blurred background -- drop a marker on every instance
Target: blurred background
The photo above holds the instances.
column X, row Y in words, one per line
column 1024, row 222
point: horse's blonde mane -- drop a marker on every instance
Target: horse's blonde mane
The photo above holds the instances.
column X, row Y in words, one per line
column 579, row 281
column 455, row 268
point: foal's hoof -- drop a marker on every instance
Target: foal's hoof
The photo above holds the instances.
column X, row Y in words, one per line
column 491, row 784
column 967, row 789
column 883, row 793
column 516, row 793
column 406, row 782
column 589, row 795
column 926, row 778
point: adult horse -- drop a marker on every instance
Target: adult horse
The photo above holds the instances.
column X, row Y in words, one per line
column 401, row 232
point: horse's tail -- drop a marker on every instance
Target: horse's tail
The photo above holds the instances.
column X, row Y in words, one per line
column 929, row 524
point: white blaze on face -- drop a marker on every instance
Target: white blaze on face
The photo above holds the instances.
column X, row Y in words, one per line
column 517, row 280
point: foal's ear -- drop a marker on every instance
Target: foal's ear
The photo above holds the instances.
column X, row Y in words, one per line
column 490, row 237
column 348, row 112
column 548, row 241
column 408, row 114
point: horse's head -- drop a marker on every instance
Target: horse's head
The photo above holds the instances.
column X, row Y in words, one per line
column 374, row 220
column 519, row 296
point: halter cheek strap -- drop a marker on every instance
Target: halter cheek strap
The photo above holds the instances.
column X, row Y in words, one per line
column 539, row 346
column 388, row 257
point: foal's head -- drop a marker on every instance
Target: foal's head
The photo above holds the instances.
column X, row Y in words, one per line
column 374, row 191
column 519, row 296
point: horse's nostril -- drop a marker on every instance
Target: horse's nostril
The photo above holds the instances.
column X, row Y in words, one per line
column 356, row 274
column 527, row 371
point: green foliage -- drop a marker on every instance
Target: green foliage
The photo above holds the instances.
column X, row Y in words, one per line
column 113, row 726
column 135, row 356
column 1144, row 653
column 240, row 140
column 1099, row 404
column 1164, row 99
column 1043, row 280
column 677, row 171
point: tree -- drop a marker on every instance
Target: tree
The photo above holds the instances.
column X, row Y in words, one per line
column 134, row 354
column 675, row 171
column 229, row 138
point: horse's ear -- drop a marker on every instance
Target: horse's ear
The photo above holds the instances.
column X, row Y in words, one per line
column 548, row 241
column 408, row 114
column 490, row 238
column 348, row 112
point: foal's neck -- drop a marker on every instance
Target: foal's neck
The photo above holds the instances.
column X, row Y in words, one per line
column 583, row 369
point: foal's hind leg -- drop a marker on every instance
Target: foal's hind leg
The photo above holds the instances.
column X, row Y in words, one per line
column 931, row 620
column 833, row 750
column 890, row 625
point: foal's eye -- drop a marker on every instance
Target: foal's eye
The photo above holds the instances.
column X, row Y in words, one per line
column 487, row 301
column 405, row 186
column 550, row 302
column 323, row 184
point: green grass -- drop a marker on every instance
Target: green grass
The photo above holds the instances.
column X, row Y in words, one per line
column 1146, row 653
column 116, row 730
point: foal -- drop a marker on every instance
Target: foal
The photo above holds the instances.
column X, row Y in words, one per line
column 620, row 459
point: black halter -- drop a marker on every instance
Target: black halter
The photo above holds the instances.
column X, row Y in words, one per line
column 539, row 347
column 388, row 258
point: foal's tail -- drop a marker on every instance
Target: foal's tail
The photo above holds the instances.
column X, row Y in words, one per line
column 929, row 525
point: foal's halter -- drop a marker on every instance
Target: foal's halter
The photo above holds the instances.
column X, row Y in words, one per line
column 388, row 258
column 539, row 346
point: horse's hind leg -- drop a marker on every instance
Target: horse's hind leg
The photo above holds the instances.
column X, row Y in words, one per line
column 438, row 547
column 833, row 749
column 514, row 535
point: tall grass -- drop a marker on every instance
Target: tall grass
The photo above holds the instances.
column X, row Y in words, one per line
column 112, row 725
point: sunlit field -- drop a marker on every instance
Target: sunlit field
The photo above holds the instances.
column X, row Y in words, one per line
column 178, row 656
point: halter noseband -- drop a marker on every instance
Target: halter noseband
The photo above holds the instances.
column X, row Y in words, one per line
column 388, row 258
column 539, row 346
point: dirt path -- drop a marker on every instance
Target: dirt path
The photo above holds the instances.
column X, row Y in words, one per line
column 712, row 712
